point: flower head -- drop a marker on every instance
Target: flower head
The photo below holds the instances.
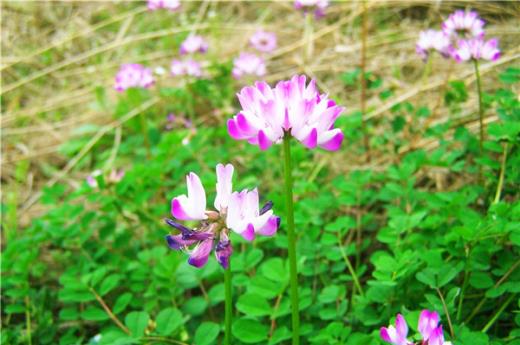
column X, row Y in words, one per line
column 437, row 337
column 248, row 64
column 187, row 67
column 263, row 41
column 172, row 5
column 236, row 211
column 396, row 334
column 91, row 179
column 476, row 49
column 428, row 321
column 291, row 107
column 133, row 75
column 433, row 40
column 464, row 24
column 193, row 44
column 316, row 6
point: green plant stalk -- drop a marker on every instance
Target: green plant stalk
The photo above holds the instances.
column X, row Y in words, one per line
column 291, row 246
column 350, row 267
column 229, row 304
column 363, row 97
column 445, row 307
column 144, row 131
column 502, row 174
column 28, row 319
column 499, row 312
column 480, row 108
column 464, row 286
column 308, row 32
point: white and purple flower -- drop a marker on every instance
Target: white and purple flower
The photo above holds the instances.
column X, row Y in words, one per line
column 433, row 40
column 397, row 334
column 193, row 44
column 291, row 107
column 476, row 49
column 464, row 24
column 172, row 5
column 248, row 64
column 316, row 6
column 263, row 41
column 133, row 75
column 187, row 67
column 236, row 211
column 428, row 326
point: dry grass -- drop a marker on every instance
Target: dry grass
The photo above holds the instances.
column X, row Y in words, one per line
column 55, row 55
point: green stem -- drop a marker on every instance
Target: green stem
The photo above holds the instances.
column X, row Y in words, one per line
column 350, row 267
column 502, row 174
column 308, row 32
column 229, row 304
column 28, row 319
column 144, row 131
column 464, row 285
column 427, row 70
column 291, row 238
column 499, row 312
column 480, row 108
column 445, row 307
column 364, row 30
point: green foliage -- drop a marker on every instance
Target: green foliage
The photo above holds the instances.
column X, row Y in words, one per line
column 94, row 269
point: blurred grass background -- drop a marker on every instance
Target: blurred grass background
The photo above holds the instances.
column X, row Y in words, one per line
column 59, row 60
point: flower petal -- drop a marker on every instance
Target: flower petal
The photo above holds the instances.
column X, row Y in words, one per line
column 270, row 228
column 199, row 255
column 224, row 185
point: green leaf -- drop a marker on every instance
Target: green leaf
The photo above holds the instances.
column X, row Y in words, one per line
column 253, row 305
column 195, row 306
column 168, row 320
column 206, row 333
column 109, row 284
column 122, row 302
column 137, row 321
column 274, row 269
column 249, row 331
column 94, row 314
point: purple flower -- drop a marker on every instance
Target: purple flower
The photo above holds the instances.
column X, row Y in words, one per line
column 248, row 64
column 188, row 67
column 91, row 179
column 437, row 337
column 116, row 175
column 236, row 211
column 291, row 107
column 428, row 321
column 133, row 75
column 263, row 41
column 433, row 40
column 396, row 335
column 172, row 5
column 193, row 44
column 464, row 25
column 476, row 49
column 316, row 6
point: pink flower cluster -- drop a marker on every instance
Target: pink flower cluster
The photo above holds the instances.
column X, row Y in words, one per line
column 187, row 67
column 291, row 107
column 263, row 41
column 193, row 44
column 235, row 211
column 248, row 64
column 462, row 38
column 133, row 75
column 172, row 5
column 316, row 6
column 428, row 326
column 114, row 177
